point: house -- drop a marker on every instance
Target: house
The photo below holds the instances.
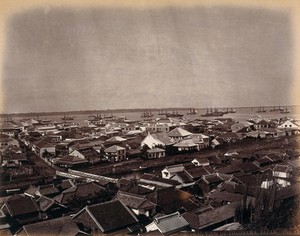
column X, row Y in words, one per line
column 201, row 140
column 10, row 129
column 171, row 199
column 105, row 217
column 59, row 226
column 184, row 178
column 70, row 161
column 139, row 204
column 50, row 208
column 186, row 145
column 151, row 142
column 242, row 126
column 157, row 181
column 115, row 153
column 208, row 218
column 209, row 182
column 283, row 173
column 42, row 146
column 289, row 125
column 169, row 171
column 179, row 134
column 87, row 153
column 82, row 194
column 48, row 190
column 115, row 140
column 197, row 172
column 156, row 153
column 168, row 224
column 219, row 198
column 201, row 161
column 21, row 210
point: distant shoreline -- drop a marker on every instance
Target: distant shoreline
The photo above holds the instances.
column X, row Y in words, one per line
column 82, row 112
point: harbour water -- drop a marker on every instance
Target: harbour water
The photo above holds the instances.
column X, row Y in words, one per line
column 241, row 114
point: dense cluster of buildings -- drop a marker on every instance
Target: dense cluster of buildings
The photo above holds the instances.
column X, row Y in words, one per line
column 217, row 192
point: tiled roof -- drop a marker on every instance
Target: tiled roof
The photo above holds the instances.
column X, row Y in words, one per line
column 134, row 201
column 116, row 139
column 111, row 215
column 157, row 180
column 197, row 172
column 20, row 205
column 201, row 220
column 179, row 132
column 59, row 226
column 171, row 223
column 114, row 148
column 69, row 159
column 186, row 143
column 154, row 150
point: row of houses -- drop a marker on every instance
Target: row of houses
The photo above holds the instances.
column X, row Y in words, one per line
column 193, row 196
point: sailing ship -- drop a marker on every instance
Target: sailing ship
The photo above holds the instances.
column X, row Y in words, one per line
column 261, row 109
column 210, row 112
column 274, row 108
column 146, row 114
column 285, row 111
column 67, row 117
column 192, row 111
column 231, row 110
column 174, row 114
column 162, row 113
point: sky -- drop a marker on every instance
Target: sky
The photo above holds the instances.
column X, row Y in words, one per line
column 63, row 59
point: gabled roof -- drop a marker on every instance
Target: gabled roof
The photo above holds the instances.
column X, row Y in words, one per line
column 171, row 223
column 69, row 159
column 60, row 226
column 163, row 137
column 45, row 203
column 189, row 142
column 158, row 180
column 282, row 168
column 179, row 132
column 200, row 220
column 183, row 177
column 212, row 178
column 20, row 205
column 47, row 189
column 109, row 216
column 116, row 139
column 197, row 172
column 151, row 141
column 114, row 148
column 154, row 150
column 175, row 168
column 89, row 153
column 225, row 196
column 134, row 201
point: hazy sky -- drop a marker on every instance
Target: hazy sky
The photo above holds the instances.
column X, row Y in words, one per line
column 60, row 59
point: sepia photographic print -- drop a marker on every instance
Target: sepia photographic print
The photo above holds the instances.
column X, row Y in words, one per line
column 142, row 117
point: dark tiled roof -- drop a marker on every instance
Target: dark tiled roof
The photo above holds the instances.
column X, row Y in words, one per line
column 19, row 205
column 184, row 177
column 111, row 215
column 201, row 220
column 134, row 201
column 154, row 178
column 171, row 223
column 225, row 196
column 197, row 172
column 89, row 190
column 69, row 159
column 48, row 189
column 60, row 226
column 213, row 178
